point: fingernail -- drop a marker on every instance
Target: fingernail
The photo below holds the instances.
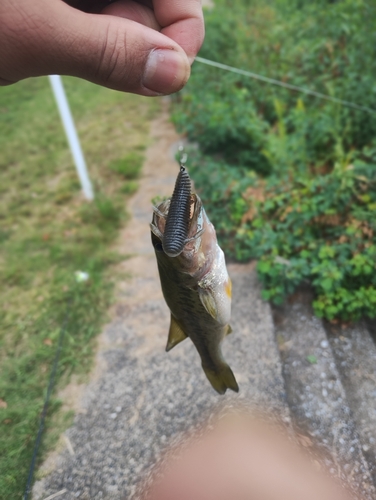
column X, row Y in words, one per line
column 166, row 71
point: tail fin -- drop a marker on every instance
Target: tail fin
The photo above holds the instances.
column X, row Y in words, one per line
column 222, row 378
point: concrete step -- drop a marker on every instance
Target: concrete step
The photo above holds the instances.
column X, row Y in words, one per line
column 355, row 354
column 318, row 401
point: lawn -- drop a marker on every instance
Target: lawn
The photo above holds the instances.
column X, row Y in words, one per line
column 47, row 233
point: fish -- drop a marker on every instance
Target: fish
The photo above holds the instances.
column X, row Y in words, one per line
column 194, row 279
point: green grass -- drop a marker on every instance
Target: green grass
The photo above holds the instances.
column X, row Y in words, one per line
column 129, row 187
column 47, row 233
column 129, row 166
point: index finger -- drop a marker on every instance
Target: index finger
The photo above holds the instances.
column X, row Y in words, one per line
column 183, row 21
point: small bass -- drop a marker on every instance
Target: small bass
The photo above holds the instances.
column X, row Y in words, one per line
column 194, row 279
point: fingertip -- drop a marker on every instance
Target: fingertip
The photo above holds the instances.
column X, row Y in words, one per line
column 189, row 34
column 166, row 71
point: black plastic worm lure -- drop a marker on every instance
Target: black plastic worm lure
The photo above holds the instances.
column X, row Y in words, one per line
column 177, row 222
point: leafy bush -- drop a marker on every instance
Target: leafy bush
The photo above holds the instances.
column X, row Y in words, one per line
column 327, row 47
column 319, row 230
column 287, row 178
column 229, row 125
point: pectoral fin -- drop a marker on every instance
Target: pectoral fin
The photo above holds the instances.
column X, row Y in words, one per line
column 208, row 301
column 175, row 334
column 229, row 330
column 216, row 303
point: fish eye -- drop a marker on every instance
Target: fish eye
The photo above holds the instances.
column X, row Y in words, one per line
column 158, row 247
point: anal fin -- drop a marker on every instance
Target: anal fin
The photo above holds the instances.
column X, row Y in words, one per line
column 175, row 334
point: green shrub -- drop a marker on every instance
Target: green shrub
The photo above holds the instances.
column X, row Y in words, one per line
column 287, row 178
column 322, row 46
column 228, row 125
column 320, row 230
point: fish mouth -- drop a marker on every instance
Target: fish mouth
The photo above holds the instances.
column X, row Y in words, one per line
column 195, row 223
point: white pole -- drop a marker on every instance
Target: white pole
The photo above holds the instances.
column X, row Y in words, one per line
column 70, row 130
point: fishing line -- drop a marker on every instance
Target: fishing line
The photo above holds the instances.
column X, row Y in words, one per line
column 289, row 86
column 51, row 383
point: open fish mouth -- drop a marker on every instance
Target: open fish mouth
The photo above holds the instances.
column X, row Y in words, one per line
column 196, row 253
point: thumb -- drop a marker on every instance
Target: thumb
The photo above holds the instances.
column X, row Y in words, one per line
column 114, row 52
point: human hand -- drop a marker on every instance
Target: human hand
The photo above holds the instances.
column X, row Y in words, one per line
column 144, row 46
column 241, row 459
